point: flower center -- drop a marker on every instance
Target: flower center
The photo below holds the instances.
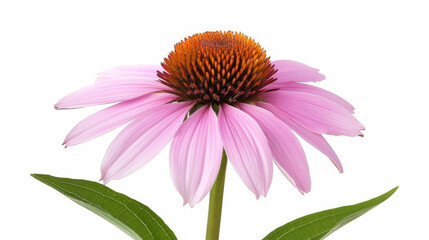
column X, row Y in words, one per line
column 216, row 67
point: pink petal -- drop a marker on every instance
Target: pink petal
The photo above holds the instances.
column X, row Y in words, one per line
column 114, row 116
column 290, row 71
column 302, row 87
column 108, row 92
column 142, row 72
column 142, row 139
column 195, row 155
column 316, row 113
column 247, row 148
column 317, row 140
column 285, row 147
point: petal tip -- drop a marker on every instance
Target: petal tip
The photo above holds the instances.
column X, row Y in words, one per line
column 57, row 106
column 61, row 104
column 104, row 179
column 191, row 205
column 104, row 182
column 338, row 165
column 304, row 189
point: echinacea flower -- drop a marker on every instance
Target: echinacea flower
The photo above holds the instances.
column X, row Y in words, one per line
column 215, row 91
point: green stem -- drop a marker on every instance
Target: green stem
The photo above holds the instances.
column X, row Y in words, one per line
column 215, row 204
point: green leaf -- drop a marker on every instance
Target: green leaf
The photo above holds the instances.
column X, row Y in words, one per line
column 132, row 217
column 321, row 224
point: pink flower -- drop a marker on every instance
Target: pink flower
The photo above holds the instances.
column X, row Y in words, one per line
column 240, row 101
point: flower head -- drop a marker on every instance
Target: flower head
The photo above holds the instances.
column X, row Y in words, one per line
column 217, row 67
column 232, row 97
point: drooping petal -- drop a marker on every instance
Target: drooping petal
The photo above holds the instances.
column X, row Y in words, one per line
column 316, row 140
column 247, row 148
column 109, row 92
column 114, row 116
column 285, row 147
column 316, row 113
column 302, row 87
column 291, row 71
column 195, row 155
column 142, row 139
column 142, row 72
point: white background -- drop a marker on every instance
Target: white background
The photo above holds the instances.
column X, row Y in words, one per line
column 374, row 54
